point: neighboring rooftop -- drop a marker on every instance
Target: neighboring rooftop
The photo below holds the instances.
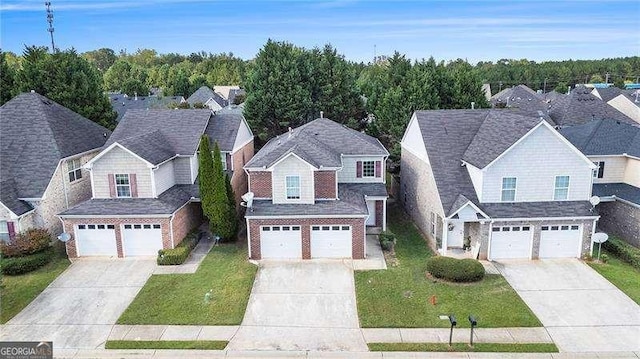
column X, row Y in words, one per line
column 223, row 127
column 121, row 102
column 607, row 94
column 605, row 137
column 204, row 94
column 225, row 90
column 620, row 190
column 320, row 142
column 522, row 98
column 35, row 134
column 581, row 106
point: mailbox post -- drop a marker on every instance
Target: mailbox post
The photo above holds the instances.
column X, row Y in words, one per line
column 473, row 322
column 452, row 320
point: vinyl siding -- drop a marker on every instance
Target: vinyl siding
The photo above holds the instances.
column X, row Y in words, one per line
column 632, row 172
column 413, row 141
column 194, row 169
column 626, row 106
column 535, row 162
column 348, row 172
column 244, row 135
column 164, row 177
column 614, row 168
column 118, row 160
column 293, row 166
column 182, row 170
column 476, row 178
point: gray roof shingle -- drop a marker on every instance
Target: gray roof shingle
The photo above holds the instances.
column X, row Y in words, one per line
column 522, row 98
column 608, row 93
column 203, row 94
column 620, row 190
column 581, row 106
column 320, row 142
column 121, row 103
column 165, row 131
column 223, row 127
column 35, row 134
column 604, row 137
column 548, row 209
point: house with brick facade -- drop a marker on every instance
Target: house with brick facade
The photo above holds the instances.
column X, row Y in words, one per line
column 316, row 191
column 145, row 194
column 43, row 146
column 615, row 148
column 500, row 184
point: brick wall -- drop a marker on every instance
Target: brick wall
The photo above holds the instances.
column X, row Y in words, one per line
column 379, row 213
column 260, row 184
column 622, row 220
column 239, row 177
column 357, row 228
column 325, row 184
column 185, row 220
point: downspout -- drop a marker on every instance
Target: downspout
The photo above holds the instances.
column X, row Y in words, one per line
column 248, row 236
column 64, row 187
column 445, row 235
column 489, row 237
column 171, row 230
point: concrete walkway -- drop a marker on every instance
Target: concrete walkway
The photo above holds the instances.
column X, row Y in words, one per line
column 172, row 332
column 192, row 263
column 460, row 335
column 375, row 258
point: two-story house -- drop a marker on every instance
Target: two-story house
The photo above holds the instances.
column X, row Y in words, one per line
column 620, row 100
column 145, row 194
column 507, row 186
column 206, row 97
column 43, row 147
column 615, row 148
column 581, row 106
column 316, row 189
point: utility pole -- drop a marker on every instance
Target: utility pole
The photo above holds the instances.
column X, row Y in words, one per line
column 607, row 78
column 500, row 86
column 50, row 21
column 544, row 87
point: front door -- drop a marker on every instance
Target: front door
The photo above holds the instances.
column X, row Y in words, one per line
column 456, row 234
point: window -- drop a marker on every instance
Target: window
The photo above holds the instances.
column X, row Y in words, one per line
column 545, row 228
column 561, row 191
column 525, row 228
column 293, row 187
column 433, row 223
column 574, row 228
column 508, row 189
column 495, row 229
column 4, row 231
column 598, row 172
column 223, row 159
column 73, row 167
column 315, row 228
column 123, row 187
column 564, row 228
column 368, row 168
column 295, row 228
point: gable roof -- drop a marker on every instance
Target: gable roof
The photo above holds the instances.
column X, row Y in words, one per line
column 121, row 103
column 608, row 93
column 223, row 127
column 154, row 134
column 225, row 90
column 320, row 143
column 581, row 106
column 522, row 98
column 203, row 94
column 35, row 134
column 604, row 137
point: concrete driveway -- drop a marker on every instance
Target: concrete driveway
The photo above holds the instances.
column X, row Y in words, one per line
column 580, row 309
column 295, row 305
column 79, row 308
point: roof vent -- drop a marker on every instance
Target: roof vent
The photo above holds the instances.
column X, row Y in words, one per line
column 33, row 91
column 290, row 132
column 321, row 114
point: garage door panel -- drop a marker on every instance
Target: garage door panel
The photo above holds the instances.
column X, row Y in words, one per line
column 333, row 241
column 280, row 242
column 511, row 242
column 560, row 241
column 141, row 239
column 96, row 240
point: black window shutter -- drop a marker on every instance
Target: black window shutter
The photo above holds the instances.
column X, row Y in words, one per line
column 601, row 169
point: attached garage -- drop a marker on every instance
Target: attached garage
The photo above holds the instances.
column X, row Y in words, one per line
column 280, row 242
column 510, row 242
column 331, row 241
column 96, row 240
column 141, row 239
column 560, row 241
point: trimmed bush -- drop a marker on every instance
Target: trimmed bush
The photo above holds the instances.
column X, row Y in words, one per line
column 455, row 270
column 623, row 250
column 171, row 257
column 387, row 240
column 25, row 264
column 32, row 241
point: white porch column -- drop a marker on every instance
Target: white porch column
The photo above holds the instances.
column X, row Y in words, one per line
column 445, row 224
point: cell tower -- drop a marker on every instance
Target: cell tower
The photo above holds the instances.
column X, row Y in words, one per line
column 50, row 21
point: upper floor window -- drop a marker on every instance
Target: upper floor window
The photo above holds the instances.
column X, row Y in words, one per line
column 123, row 185
column 74, row 169
column 4, row 231
column 598, row 172
column 368, row 168
column 293, row 187
column 508, row 189
column 561, row 190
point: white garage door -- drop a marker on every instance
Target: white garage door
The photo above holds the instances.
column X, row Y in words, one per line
column 96, row 240
column 280, row 242
column 510, row 242
column 562, row 241
column 331, row 242
column 141, row 239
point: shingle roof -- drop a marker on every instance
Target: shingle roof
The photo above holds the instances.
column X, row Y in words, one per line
column 203, row 94
column 320, row 142
column 620, row 190
column 548, row 209
column 604, row 137
column 376, row 189
column 581, row 106
column 166, row 131
column 9, row 198
column 223, row 127
column 608, row 93
column 35, row 134
column 167, row 203
column 121, row 103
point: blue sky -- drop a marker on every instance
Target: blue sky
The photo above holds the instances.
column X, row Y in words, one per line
column 475, row 30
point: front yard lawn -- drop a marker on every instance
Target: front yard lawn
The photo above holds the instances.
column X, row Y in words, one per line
column 399, row 296
column 621, row 274
column 463, row 347
column 180, row 298
column 166, row 344
column 18, row 291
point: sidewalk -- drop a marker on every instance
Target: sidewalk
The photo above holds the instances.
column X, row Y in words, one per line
column 172, row 332
column 192, row 263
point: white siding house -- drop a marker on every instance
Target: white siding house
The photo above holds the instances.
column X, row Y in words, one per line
column 120, row 161
column 164, row 177
column 292, row 166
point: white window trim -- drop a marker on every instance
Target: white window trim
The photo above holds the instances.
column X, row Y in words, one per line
column 596, row 171
column 286, row 188
column 555, row 188
column 115, row 181
column 374, row 169
column 515, row 190
column 74, row 170
column 5, row 231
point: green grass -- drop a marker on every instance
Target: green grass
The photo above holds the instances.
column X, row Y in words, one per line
column 179, row 298
column 166, row 344
column 621, row 274
column 464, row 347
column 18, row 291
column 399, row 296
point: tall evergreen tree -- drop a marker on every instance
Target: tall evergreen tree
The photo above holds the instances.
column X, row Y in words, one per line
column 232, row 214
column 220, row 220
column 206, row 177
column 7, row 80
